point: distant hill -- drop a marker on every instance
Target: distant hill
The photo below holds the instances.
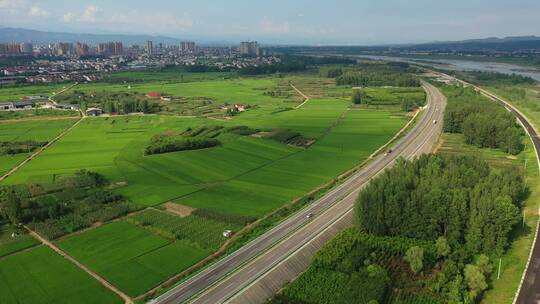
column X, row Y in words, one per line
column 507, row 43
column 41, row 37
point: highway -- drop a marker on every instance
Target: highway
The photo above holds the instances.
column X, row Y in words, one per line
column 233, row 275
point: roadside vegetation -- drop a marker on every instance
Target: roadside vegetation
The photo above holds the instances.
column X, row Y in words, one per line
column 454, row 214
column 481, row 123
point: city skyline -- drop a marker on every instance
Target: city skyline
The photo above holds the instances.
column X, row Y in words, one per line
column 280, row 22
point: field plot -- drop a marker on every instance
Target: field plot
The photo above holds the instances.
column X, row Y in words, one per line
column 130, row 257
column 15, row 93
column 349, row 142
column 114, row 147
column 39, row 131
column 12, row 241
column 41, row 276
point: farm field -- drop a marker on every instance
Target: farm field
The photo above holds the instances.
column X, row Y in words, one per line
column 9, row 244
column 39, row 275
column 37, row 113
column 220, row 188
column 131, row 258
column 28, row 130
column 15, row 93
column 114, row 147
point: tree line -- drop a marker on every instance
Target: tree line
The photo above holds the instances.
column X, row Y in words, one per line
column 368, row 78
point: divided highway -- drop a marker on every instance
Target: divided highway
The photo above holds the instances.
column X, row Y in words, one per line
column 232, row 277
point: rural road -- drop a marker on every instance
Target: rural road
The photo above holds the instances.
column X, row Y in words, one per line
column 306, row 98
column 233, row 275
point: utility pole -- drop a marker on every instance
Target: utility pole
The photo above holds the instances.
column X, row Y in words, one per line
column 499, row 271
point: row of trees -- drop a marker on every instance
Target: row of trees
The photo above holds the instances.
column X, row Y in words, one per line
column 482, row 123
column 165, row 143
column 459, row 198
column 16, row 147
column 368, row 78
column 467, row 209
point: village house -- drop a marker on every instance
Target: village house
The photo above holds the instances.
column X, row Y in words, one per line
column 23, row 105
column 6, row 106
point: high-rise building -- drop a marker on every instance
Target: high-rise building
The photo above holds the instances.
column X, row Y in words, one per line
column 187, row 46
column 27, row 47
column 110, row 48
column 149, row 48
column 13, row 48
column 82, row 49
column 250, row 48
column 118, row 48
column 63, row 49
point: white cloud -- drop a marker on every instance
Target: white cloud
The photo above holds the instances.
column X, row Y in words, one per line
column 12, row 4
column 36, row 11
column 90, row 14
column 68, row 17
column 131, row 20
column 269, row 27
column 151, row 22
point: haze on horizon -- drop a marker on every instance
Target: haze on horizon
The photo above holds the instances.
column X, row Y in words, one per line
column 365, row 22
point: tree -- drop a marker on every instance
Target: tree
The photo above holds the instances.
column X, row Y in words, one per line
column 415, row 258
column 358, row 96
column 12, row 207
column 476, row 281
column 443, row 249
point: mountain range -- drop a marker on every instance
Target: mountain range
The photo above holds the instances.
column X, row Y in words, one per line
column 41, row 37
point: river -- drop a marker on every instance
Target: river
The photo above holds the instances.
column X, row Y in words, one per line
column 467, row 65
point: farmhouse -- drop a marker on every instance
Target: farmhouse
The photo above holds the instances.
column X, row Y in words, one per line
column 35, row 97
column 93, row 112
column 66, row 107
column 7, row 106
column 153, row 95
column 23, row 105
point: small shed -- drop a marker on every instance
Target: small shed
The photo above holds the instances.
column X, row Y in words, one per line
column 93, row 112
column 153, row 95
column 6, row 106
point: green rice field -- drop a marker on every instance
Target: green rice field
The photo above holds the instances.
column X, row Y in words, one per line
column 40, row 275
column 131, row 258
column 224, row 187
column 28, row 130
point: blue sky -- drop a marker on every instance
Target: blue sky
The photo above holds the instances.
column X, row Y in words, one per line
column 363, row 22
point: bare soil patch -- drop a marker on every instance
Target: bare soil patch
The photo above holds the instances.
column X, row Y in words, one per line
column 178, row 209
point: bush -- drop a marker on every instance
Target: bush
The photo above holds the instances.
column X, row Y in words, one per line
column 161, row 145
column 242, row 130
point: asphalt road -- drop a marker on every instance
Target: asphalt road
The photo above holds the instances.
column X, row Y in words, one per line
column 232, row 274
